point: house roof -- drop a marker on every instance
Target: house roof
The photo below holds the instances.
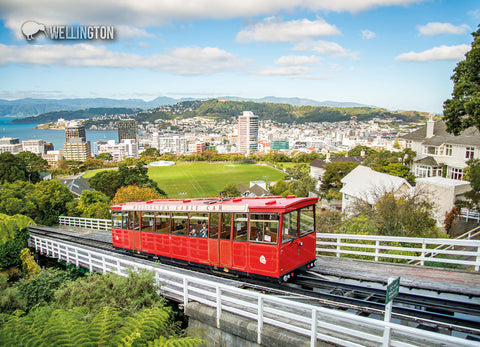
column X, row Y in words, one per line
column 470, row 136
column 442, row 182
column 77, row 185
column 364, row 183
column 253, row 191
column 322, row 163
column 430, row 161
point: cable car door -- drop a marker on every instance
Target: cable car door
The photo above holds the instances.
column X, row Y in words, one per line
column 225, row 241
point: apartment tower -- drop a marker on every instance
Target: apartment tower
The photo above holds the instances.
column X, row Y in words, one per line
column 247, row 133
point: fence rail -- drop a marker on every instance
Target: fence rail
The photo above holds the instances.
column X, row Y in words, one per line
column 462, row 253
column 90, row 223
column 328, row 325
column 470, row 214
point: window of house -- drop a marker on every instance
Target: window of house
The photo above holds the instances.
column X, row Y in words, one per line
column 469, row 152
column 455, row 173
column 408, row 144
column 448, row 150
column 433, row 150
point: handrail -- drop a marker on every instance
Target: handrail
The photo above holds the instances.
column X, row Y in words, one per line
column 375, row 247
column 88, row 223
column 328, row 325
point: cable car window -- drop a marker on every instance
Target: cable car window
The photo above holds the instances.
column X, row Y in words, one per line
column 307, row 220
column 240, row 227
column 136, row 220
column 213, row 226
column 129, row 221
column 162, row 222
column 116, row 219
column 290, row 226
column 148, row 219
column 264, row 227
column 198, row 225
column 179, row 223
column 226, row 226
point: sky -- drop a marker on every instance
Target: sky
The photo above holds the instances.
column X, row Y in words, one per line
column 395, row 54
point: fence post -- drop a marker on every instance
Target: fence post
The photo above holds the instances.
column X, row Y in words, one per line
column 219, row 306
column 260, row 320
column 339, row 243
column 477, row 261
column 313, row 336
column 185, row 294
column 424, row 248
column 377, row 251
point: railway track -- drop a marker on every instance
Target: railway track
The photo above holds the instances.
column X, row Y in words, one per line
column 426, row 312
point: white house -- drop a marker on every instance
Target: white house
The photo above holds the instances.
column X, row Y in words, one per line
column 438, row 151
column 444, row 191
column 363, row 183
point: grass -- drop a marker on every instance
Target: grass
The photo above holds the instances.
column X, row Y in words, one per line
column 198, row 180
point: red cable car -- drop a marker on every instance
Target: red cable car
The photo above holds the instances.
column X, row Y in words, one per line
column 268, row 236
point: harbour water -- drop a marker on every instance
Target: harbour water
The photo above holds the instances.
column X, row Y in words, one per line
column 27, row 131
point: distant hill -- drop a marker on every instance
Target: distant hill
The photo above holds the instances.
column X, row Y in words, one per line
column 32, row 107
column 78, row 114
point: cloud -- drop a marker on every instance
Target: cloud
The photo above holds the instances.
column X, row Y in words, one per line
column 325, row 47
column 285, row 71
column 436, row 53
column 154, row 13
column 368, row 35
column 273, row 30
column 435, row 28
column 290, row 60
column 183, row 61
column 126, row 32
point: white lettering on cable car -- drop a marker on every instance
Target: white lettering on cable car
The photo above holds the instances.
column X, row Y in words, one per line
column 263, row 260
column 182, row 208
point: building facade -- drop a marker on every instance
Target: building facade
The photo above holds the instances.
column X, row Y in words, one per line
column 440, row 153
column 35, row 146
column 247, row 133
column 127, row 130
column 76, row 146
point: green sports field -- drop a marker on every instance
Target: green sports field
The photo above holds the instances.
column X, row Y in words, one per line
column 198, row 180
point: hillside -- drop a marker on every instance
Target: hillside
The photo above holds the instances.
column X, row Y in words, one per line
column 78, row 114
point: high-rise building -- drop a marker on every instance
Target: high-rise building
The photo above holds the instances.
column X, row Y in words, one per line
column 74, row 130
column 127, row 130
column 76, row 146
column 247, row 133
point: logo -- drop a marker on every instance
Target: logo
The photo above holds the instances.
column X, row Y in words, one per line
column 31, row 30
column 263, row 260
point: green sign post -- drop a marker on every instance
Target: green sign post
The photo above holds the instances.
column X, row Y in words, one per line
column 393, row 288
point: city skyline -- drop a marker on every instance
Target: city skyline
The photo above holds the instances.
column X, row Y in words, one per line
column 397, row 54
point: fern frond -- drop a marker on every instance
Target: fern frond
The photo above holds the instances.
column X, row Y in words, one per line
column 144, row 326
column 163, row 341
column 104, row 325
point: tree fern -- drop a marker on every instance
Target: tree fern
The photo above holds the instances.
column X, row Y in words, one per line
column 65, row 328
column 163, row 341
column 104, row 325
column 144, row 326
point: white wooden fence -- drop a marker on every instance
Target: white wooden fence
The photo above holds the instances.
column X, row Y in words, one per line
column 89, row 223
column 336, row 327
column 465, row 253
column 469, row 214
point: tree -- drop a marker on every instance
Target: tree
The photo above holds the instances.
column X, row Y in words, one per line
column 279, row 188
column 410, row 215
column 134, row 193
column 51, row 199
column 138, row 175
column 462, row 111
column 105, row 156
column 93, row 205
column 472, row 197
column 333, row 174
column 150, row 152
column 33, row 165
column 304, row 186
column 357, row 151
column 107, row 182
column 13, row 238
column 10, row 168
column 232, row 190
